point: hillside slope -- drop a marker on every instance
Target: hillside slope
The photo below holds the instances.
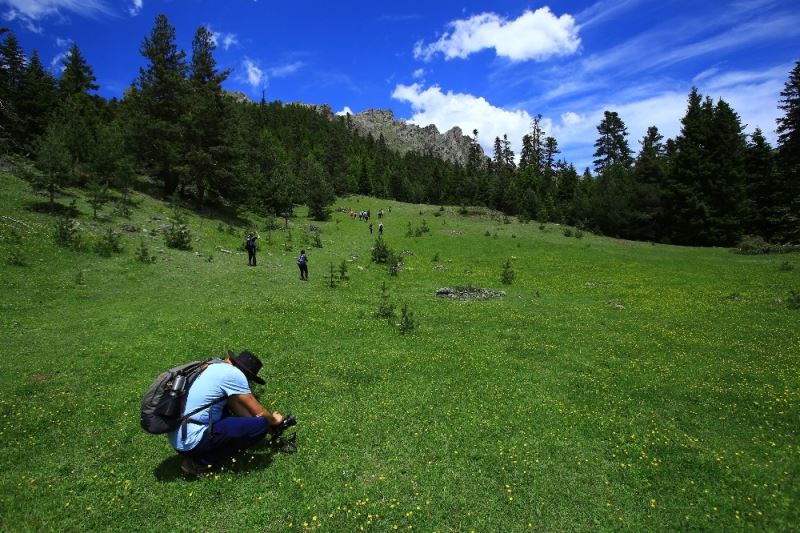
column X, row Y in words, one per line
column 617, row 385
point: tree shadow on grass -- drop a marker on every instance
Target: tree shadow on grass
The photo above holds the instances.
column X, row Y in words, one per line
column 253, row 459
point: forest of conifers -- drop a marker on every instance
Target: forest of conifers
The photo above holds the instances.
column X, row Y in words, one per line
column 710, row 185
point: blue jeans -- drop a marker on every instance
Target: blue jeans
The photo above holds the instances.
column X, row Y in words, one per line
column 227, row 437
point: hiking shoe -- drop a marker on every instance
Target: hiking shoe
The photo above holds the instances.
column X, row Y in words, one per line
column 192, row 468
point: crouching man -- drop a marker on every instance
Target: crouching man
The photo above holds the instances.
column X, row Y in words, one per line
column 234, row 422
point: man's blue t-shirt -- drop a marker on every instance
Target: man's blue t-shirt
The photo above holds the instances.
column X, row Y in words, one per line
column 216, row 381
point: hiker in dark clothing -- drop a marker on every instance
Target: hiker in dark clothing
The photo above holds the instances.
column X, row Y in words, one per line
column 380, row 228
column 302, row 262
column 250, row 245
column 370, row 229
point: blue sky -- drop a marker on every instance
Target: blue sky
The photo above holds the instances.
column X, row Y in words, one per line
column 477, row 65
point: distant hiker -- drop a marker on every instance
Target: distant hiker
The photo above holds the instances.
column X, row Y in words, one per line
column 250, row 245
column 370, row 228
column 302, row 262
column 380, row 229
column 234, row 423
column 380, row 213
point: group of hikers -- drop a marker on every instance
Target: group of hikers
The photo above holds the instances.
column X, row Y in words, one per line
column 250, row 246
column 302, row 259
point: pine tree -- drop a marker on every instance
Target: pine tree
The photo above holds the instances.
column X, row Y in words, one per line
column 53, row 160
column 688, row 168
column 38, row 100
column 12, row 69
column 207, row 154
column 158, row 102
column 612, row 145
column 726, row 187
column 789, row 157
column 77, row 76
column 649, row 176
column 766, row 203
column 319, row 193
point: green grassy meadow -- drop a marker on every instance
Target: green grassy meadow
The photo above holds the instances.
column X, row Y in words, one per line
column 618, row 385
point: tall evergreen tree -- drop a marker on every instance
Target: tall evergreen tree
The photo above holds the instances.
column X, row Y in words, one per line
column 649, row 177
column 789, row 157
column 12, row 70
column 77, row 76
column 53, row 160
column 766, row 203
column 159, row 98
column 38, row 99
column 319, row 193
column 689, row 167
column 208, row 157
column 612, row 145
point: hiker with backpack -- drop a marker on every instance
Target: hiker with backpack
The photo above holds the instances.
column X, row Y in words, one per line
column 209, row 411
column 302, row 263
column 250, row 245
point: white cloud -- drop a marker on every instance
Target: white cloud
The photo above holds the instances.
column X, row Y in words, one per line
column 571, row 119
column 225, row 39
column 535, row 35
column 29, row 12
column 135, row 7
column 63, row 43
column 282, row 71
column 57, row 63
column 446, row 110
column 256, row 77
column 420, row 72
column 345, row 111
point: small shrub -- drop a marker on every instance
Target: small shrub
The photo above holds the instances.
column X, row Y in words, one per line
column 110, row 243
column 409, row 230
column 578, row 234
column 65, row 232
column 80, row 278
column 393, row 264
column 506, row 220
column 143, row 254
column 487, row 234
column 437, row 213
column 786, row 266
column 15, row 257
column 271, row 224
column 407, row 321
column 332, row 277
column 317, row 241
column 381, row 252
column 793, row 301
column 567, row 232
column 179, row 237
column 441, row 208
column 435, row 258
column 507, row 275
column 122, row 209
column 385, row 307
column 463, row 210
column 542, row 227
column 343, row 271
column 221, row 227
column 753, row 245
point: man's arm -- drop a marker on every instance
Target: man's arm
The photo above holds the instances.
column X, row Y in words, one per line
column 247, row 405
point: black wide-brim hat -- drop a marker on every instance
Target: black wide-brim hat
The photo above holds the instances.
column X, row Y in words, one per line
column 249, row 364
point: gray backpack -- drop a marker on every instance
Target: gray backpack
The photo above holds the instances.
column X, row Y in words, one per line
column 165, row 400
